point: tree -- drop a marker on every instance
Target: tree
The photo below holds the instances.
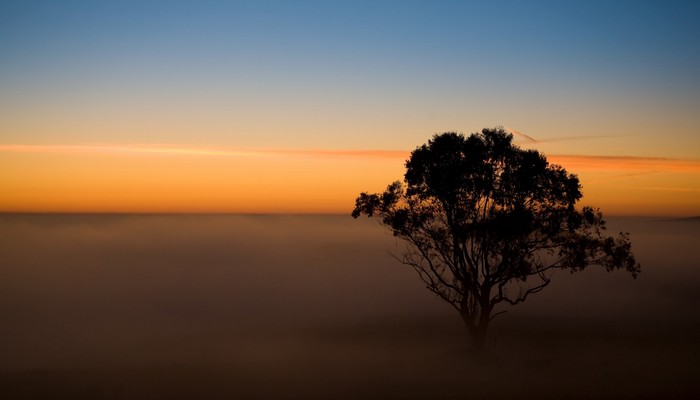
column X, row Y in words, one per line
column 486, row 223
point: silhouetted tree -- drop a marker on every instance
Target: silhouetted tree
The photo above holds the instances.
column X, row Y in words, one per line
column 486, row 222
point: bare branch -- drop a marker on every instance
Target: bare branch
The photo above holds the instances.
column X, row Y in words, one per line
column 497, row 314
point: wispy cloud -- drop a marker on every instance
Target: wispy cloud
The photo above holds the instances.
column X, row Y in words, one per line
column 532, row 140
column 184, row 150
column 517, row 133
column 624, row 164
column 668, row 189
column 579, row 137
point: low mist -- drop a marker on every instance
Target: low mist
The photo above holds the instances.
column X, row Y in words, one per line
column 234, row 306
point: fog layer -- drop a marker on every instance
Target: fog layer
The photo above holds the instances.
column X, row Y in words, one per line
column 120, row 306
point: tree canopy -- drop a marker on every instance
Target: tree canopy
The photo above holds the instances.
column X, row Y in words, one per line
column 487, row 222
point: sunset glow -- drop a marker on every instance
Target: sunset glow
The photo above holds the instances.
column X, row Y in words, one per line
column 198, row 107
column 177, row 178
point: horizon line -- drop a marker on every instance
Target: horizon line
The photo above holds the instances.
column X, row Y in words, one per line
column 269, row 213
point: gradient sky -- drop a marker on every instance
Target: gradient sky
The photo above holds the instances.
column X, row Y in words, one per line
column 297, row 106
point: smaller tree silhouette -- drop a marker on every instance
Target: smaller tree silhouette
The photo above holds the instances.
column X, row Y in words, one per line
column 486, row 223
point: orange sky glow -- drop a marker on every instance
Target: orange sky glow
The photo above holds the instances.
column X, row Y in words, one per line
column 121, row 107
column 179, row 178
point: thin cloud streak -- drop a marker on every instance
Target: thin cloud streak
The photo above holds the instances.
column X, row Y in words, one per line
column 571, row 161
column 533, row 140
column 527, row 138
column 666, row 189
column 626, row 163
column 182, row 150
column 579, row 137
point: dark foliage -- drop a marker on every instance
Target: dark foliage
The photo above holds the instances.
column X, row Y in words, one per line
column 486, row 222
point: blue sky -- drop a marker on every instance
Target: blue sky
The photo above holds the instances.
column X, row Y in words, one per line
column 409, row 68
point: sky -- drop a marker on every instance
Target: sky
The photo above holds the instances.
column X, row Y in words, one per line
column 296, row 107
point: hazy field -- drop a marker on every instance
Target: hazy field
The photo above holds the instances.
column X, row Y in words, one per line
column 144, row 307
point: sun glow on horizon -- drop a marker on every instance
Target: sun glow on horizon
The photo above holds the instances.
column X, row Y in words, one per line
column 180, row 178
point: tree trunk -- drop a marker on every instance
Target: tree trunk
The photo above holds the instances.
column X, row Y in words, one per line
column 478, row 338
column 477, row 331
column 477, row 327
